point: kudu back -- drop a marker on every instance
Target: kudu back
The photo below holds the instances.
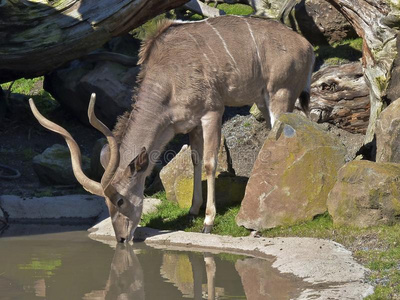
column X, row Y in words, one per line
column 189, row 72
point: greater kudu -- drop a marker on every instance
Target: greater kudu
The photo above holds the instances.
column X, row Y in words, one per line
column 190, row 71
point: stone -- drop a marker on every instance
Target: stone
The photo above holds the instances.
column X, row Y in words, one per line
column 388, row 134
column 256, row 113
column 292, row 176
column 352, row 142
column 69, row 209
column 244, row 137
column 177, row 175
column 150, row 205
column 112, row 82
column 366, row 194
column 54, row 166
column 229, row 190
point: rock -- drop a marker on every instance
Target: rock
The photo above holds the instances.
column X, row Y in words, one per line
column 54, row 166
column 177, row 175
column 366, row 194
column 294, row 172
column 352, row 142
column 340, row 96
column 244, row 137
column 150, row 205
column 388, row 134
column 318, row 21
column 113, row 83
column 256, row 113
column 70, row 209
column 228, row 189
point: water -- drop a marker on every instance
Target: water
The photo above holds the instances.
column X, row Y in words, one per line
column 69, row 265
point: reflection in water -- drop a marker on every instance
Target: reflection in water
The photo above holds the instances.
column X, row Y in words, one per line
column 125, row 280
column 260, row 281
column 186, row 272
column 71, row 266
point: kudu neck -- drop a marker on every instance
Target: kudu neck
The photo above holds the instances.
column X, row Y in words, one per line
column 149, row 125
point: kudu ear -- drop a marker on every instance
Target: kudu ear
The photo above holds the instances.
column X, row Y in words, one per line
column 105, row 156
column 141, row 162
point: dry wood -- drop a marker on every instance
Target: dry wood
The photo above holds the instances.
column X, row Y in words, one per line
column 37, row 37
column 339, row 95
column 377, row 22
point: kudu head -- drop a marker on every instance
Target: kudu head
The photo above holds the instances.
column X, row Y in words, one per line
column 121, row 189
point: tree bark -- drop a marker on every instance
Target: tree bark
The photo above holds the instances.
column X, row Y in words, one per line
column 377, row 22
column 37, row 37
column 339, row 95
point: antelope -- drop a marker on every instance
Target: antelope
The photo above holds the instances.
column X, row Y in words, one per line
column 189, row 72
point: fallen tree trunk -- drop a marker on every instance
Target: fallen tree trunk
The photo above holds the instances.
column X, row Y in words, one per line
column 37, row 37
column 339, row 95
column 377, row 22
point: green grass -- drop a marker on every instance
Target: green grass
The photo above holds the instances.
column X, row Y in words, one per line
column 148, row 28
column 339, row 53
column 170, row 216
column 236, row 9
column 22, row 85
column 377, row 248
column 33, row 88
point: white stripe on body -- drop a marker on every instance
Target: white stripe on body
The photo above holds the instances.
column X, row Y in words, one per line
column 254, row 40
column 223, row 42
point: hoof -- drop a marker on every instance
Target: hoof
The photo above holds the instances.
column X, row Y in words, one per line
column 191, row 218
column 207, row 229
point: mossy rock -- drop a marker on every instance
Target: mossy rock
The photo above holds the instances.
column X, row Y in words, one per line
column 366, row 194
column 229, row 190
column 292, row 176
column 54, row 166
column 180, row 168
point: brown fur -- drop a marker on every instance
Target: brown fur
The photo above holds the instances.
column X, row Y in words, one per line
column 151, row 40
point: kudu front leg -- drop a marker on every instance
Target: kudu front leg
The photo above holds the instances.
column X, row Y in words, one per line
column 211, row 124
column 196, row 145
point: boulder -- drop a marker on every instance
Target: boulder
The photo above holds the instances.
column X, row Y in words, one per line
column 113, row 83
column 69, row 209
column 244, row 137
column 54, row 166
column 177, row 179
column 340, row 96
column 388, row 134
column 366, row 194
column 292, row 176
column 256, row 113
column 228, row 189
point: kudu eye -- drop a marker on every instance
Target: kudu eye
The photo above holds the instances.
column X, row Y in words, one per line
column 120, row 202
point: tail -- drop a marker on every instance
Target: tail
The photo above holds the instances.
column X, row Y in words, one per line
column 305, row 94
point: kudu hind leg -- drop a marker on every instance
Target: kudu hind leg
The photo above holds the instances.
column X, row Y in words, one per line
column 211, row 124
column 196, row 145
column 282, row 101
